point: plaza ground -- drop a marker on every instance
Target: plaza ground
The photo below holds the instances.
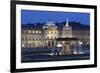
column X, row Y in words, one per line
column 44, row 55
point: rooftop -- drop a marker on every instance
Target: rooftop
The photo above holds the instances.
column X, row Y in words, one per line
column 74, row 25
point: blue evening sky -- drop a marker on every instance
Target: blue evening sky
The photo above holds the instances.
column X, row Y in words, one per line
column 33, row 16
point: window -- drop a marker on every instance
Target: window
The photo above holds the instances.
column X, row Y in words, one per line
column 29, row 38
column 25, row 38
column 22, row 31
column 36, row 31
column 29, row 44
column 33, row 38
column 55, row 31
column 37, row 38
column 49, row 31
column 29, row 31
column 47, row 37
column 51, row 38
column 39, row 31
column 22, row 38
column 46, row 32
column 33, row 31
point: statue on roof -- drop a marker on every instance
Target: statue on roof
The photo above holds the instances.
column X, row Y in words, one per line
column 67, row 23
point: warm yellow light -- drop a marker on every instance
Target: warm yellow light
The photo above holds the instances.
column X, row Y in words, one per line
column 49, row 31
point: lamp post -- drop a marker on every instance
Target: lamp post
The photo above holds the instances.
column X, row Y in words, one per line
column 80, row 47
column 80, row 43
column 59, row 45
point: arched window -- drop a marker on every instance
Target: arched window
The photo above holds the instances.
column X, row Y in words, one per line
column 48, row 43
column 29, row 44
column 52, row 43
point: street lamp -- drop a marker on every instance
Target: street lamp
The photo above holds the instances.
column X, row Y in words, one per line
column 80, row 43
column 59, row 45
column 80, row 47
column 23, row 45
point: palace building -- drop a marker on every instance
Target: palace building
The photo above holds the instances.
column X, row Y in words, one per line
column 49, row 35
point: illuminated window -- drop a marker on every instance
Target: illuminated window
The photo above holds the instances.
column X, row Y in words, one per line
column 39, row 31
column 29, row 31
column 36, row 31
column 49, row 31
column 33, row 31
column 52, row 31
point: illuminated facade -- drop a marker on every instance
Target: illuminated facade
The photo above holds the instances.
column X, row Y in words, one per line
column 45, row 36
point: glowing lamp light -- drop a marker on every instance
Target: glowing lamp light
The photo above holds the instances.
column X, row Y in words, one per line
column 23, row 45
column 59, row 45
column 80, row 42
